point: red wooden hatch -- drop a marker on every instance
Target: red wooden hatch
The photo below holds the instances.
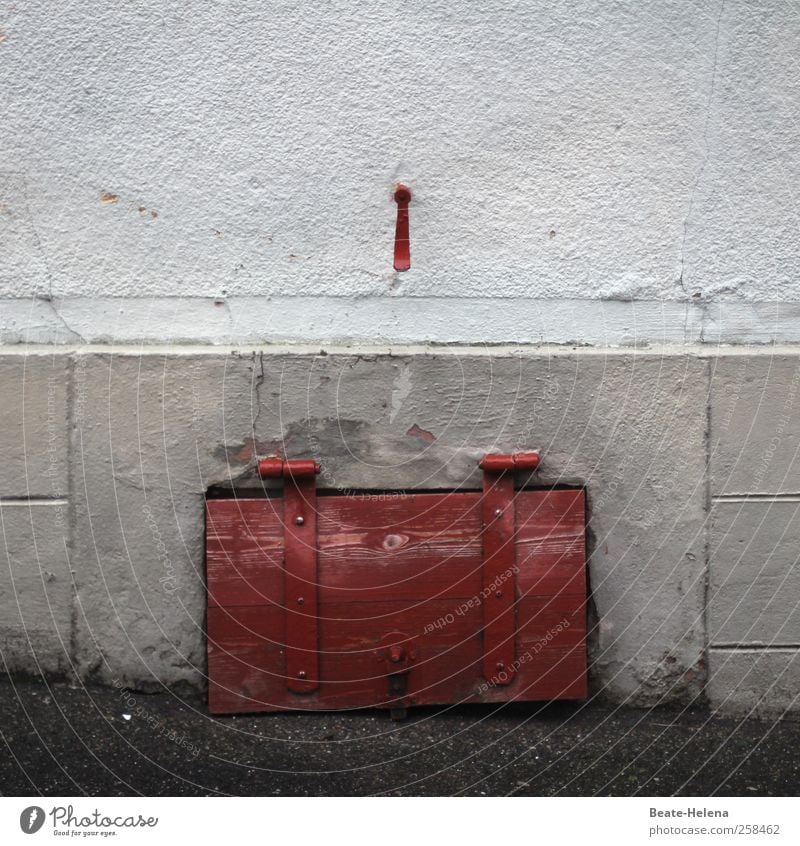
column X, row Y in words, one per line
column 398, row 599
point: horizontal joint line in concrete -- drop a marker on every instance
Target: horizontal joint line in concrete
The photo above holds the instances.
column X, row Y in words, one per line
column 780, row 497
column 31, row 501
column 756, row 647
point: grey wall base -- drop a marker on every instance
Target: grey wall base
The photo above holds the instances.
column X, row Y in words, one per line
column 689, row 458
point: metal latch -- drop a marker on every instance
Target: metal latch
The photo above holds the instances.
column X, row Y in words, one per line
column 397, row 653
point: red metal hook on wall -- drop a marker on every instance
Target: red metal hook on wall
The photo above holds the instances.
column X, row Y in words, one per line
column 402, row 243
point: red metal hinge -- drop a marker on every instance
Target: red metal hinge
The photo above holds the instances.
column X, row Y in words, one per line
column 402, row 238
column 499, row 563
column 300, row 569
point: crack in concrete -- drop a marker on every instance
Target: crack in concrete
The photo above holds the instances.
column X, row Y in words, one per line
column 118, row 478
column 705, row 148
column 61, row 319
column 34, row 231
column 257, row 390
column 706, row 617
column 69, row 540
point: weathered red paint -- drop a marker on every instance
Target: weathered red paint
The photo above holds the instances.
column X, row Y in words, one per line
column 517, row 461
column 499, row 577
column 402, row 239
column 423, row 434
column 406, row 611
column 300, row 575
column 276, row 468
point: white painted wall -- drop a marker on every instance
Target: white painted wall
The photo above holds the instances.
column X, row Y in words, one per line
column 603, row 172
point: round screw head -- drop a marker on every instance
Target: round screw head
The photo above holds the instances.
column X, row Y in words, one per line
column 301, row 674
column 299, row 521
column 300, row 600
column 498, row 512
column 500, row 666
column 498, row 594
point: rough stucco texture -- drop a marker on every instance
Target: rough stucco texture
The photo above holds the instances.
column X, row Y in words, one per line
column 582, row 150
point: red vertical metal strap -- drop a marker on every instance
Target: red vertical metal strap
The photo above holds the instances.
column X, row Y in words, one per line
column 300, row 582
column 402, row 239
column 499, row 577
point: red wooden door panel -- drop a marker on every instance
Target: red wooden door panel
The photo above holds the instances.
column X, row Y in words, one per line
column 405, row 570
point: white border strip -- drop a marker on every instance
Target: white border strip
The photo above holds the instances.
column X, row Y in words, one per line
column 348, row 320
column 352, row 822
column 394, row 320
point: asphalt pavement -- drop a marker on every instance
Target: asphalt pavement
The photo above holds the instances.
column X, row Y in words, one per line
column 65, row 740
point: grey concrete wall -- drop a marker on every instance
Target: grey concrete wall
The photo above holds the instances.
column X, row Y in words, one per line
column 692, row 536
column 604, row 173
column 754, row 593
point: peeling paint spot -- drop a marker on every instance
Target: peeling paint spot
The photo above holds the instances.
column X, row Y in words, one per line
column 154, row 214
column 400, row 391
column 142, row 209
column 422, row 434
column 552, row 234
column 107, row 197
column 3, row 36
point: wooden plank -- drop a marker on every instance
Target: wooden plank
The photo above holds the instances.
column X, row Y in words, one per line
column 247, row 660
column 415, row 547
column 244, row 551
column 419, row 547
column 551, row 541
